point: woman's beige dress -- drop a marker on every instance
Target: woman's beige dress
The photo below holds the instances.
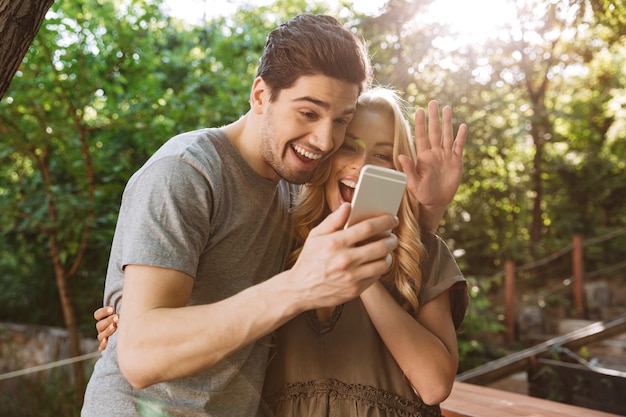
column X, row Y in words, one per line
column 341, row 367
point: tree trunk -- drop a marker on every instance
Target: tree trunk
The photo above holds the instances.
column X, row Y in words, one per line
column 62, row 276
column 541, row 131
column 20, row 21
column 69, row 315
column 537, row 184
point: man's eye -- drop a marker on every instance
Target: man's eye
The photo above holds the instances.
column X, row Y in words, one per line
column 347, row 147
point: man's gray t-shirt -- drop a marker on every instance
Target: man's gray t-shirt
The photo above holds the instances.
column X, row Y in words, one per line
column 196, row 206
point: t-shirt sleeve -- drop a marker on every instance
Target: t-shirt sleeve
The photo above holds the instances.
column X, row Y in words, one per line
column 165, row 216
column 441, row 273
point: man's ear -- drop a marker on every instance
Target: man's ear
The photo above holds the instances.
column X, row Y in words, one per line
column 259, row 96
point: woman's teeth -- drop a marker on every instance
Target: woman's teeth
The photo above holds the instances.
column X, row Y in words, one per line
column 347, row 183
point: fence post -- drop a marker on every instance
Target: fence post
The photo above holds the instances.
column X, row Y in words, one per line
column 578, row 274
column 509, row 300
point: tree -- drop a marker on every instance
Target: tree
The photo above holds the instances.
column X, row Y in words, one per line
column 19, row 23
column 52, row 150
column 544, row 103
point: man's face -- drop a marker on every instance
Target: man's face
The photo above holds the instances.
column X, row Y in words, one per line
column 305, row 125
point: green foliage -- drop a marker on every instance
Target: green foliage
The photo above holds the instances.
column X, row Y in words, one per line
column 79, row 79
column 477, row 340
column 51, row 396
column 123, row 78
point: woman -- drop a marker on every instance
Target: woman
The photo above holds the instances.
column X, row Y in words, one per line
column 393, row 350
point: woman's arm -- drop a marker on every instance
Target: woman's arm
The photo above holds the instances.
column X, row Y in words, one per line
column 424, row 347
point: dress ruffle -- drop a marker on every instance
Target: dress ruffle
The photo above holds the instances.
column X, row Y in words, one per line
column 323, row 397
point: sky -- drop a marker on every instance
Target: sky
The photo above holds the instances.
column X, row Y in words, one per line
column 475, row 20
column 193, row 10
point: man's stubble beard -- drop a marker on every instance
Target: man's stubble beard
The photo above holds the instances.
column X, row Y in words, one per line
column 268, row 140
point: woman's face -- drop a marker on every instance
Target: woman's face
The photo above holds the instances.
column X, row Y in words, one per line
column 369, row 140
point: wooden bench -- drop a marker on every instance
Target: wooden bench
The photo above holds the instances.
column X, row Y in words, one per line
column 469, row 400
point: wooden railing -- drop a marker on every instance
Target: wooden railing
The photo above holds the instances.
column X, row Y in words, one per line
column 519, row 361
column 469, row 400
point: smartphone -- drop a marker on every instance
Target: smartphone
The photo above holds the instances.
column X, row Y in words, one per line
column 378, row 191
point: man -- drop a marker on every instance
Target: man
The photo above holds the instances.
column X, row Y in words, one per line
column 203, row 233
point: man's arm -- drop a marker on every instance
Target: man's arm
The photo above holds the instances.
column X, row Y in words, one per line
column 160, row 338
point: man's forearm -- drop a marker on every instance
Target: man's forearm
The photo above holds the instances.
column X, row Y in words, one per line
column 168, row 343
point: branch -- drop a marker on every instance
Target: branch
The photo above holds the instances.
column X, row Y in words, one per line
column 19, row 23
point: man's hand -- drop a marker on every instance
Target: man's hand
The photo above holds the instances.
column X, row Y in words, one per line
column 336, row 266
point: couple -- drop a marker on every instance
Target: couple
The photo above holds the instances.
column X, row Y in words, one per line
column 205, row 229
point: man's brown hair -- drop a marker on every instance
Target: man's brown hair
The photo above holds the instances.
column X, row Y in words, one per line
column 310, row 45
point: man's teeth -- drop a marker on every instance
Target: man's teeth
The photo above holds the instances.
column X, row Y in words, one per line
column 350, row 184
column 306, row 153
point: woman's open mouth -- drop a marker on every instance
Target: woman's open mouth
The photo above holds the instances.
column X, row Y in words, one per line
column 346, row 188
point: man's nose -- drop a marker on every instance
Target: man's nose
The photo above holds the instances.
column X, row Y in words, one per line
column 322, row 138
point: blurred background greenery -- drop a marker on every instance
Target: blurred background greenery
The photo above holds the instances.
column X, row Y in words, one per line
column 541, row 84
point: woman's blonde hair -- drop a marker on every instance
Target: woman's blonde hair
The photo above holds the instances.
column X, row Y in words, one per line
column 404, row 275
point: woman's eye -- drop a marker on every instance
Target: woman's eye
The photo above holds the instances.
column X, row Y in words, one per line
column 347, row 147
